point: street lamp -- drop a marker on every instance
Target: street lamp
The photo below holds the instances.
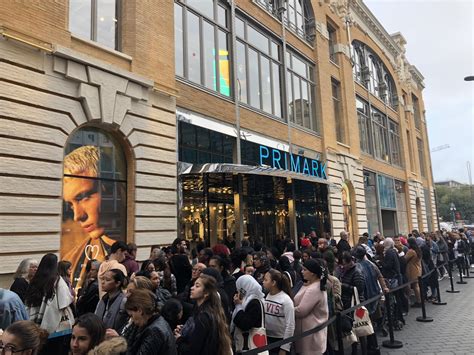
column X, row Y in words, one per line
column 452, row 208
column 469, row 78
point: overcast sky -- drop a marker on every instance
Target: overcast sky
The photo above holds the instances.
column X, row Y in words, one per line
column 440, row 42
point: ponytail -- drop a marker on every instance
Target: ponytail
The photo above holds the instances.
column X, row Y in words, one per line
column 282, row 281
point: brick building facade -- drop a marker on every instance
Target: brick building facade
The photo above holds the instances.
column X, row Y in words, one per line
column 188, row 101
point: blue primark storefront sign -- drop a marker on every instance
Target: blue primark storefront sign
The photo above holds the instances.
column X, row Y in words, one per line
column 278, row 159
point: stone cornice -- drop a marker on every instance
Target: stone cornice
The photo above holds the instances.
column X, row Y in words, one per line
column 417, row 76
column 371, row 21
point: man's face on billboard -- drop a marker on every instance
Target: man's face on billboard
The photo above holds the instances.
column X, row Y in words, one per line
column 83, row 196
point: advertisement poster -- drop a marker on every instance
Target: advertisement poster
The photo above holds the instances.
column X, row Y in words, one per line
column 94, row 199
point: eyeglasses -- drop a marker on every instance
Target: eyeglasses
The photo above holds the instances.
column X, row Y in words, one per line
column 8, row 349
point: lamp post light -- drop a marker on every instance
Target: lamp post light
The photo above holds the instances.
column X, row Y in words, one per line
column 469, row 78
column 452, row 208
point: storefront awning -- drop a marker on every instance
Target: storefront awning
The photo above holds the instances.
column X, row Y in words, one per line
column 188, row 168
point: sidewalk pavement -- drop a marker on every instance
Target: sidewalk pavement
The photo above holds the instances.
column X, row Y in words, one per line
column 452, row 330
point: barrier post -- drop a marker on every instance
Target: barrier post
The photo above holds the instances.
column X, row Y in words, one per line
column 423, row 318
column 467, row 265
column 460, row 267
column 391, row 343
column 340, row 343
column 450, row 274
column 438, row 302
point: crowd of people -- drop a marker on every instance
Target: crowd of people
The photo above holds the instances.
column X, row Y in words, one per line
column 192, row 299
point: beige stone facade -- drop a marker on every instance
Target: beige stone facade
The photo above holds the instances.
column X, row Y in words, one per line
column 53, row 82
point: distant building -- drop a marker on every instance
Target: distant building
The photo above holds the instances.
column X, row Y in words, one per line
column 449, row 183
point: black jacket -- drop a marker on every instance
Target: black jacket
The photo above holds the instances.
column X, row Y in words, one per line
column 391, row 265
column 250, row 317
column 155, row 338
column 20, row 287
column 88, row 298
column 181, row 269
column 204, row 337
column 351, row 278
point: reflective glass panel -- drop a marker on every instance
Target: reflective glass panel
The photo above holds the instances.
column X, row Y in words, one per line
column 194, row 49
column 80, row 18
column 106, row 22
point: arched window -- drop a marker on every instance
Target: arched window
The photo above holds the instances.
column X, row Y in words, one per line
column 375, row 75
column 299, row 17
column 94, row 194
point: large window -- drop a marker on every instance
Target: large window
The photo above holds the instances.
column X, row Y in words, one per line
column 380, row 132
column 386, row 188
column 297, row 14
column 201, row 44
column 200, row 145
column 337, row 106
column 365, row 130
column 416, row 111
column 332, row 33
column 379, row 135
column 94, row 194
column 371, row 72
column 421, row 157
column 300, row 92
column 258, row 68
column 97, row 20
column 395, row 150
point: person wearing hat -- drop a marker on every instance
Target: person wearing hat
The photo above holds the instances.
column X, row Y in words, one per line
column 311, row 308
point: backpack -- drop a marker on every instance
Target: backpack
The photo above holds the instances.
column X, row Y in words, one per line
column 461, row 246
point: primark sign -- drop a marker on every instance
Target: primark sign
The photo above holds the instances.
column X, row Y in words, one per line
column 279, row 159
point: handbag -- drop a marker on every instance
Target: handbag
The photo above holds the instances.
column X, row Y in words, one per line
column 362, row 325
column 253, row 339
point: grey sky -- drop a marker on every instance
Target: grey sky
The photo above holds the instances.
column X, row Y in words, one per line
column 440, row 42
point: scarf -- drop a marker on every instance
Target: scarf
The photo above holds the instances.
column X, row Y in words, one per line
column 249, row 289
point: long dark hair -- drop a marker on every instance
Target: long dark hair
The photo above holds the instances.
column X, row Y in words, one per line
column 63, row 266
column 94, row 326
column 213, row 307
column 43, row 283
column 282, row 282
column 412, row 245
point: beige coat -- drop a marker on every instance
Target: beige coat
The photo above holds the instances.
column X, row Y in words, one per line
column 311, row 310
column 413, row 265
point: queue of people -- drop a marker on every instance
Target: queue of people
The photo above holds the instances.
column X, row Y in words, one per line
column 222, row 300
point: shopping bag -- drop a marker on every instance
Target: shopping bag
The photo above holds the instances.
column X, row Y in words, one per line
column 362, row 325
column 253, row 339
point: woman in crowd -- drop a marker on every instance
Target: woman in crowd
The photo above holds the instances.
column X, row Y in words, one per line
column 48, row 302
column 413, row 259
column 139, row 282
column 284, row 266
column 221, row 264
column 22, row 277
column 148, row 265
column 23, row 337
column 65, row 270
column 149, row 333
column 88, row 331
column 168, row 280
column 111, row 307
column 350, row 276
column 206, row 332
column 248, row 312
column 89, row 292
column 279, row 310
column 311, row 308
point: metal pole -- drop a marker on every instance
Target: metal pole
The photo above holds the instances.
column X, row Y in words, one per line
column 423, row 318
column 392, row 343
column 450, row 274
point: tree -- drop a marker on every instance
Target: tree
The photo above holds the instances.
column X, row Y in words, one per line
column 462, row 199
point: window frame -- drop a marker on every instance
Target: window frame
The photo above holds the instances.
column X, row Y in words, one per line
column 94, row 6
column 338, row 112
column 421, row 156
column 217, row 28
column 309, row 79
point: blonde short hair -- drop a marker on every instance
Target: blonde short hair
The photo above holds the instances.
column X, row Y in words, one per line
column 83, row 161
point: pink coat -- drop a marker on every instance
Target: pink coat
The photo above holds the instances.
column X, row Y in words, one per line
column 311, row 309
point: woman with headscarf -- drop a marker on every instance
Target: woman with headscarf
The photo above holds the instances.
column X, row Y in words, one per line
column 311, row 308
column 413, row 259
column 248, row 312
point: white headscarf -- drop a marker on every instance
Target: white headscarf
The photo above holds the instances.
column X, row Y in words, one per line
column 250, row 289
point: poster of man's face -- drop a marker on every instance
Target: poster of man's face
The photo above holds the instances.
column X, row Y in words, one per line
column 94, row 206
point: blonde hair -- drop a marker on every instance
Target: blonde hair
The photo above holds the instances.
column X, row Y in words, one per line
column 83, row 161
column 142, row 282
